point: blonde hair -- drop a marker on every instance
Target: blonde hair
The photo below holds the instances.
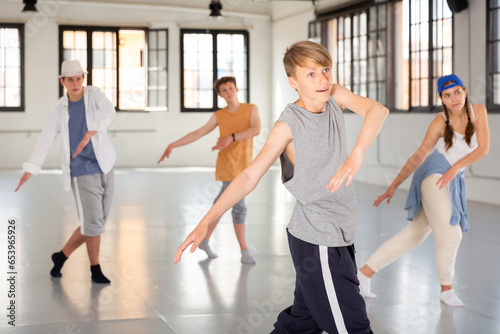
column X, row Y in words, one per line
column 299, row 53
column 223, row 80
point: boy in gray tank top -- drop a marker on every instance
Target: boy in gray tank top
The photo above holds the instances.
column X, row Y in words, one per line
column 319, row 217
column 309, row 138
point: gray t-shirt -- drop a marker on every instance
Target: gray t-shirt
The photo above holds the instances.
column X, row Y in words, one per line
column 319, row 217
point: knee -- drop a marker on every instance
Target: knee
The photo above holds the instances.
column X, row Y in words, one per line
column 239, row 215
column 448, row 247
column 413, row 240
column 449, row 240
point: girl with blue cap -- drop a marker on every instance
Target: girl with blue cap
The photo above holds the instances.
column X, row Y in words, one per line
column 456, row 138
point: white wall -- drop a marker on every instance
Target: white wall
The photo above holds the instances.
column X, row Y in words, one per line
column 139, row 138
column 402, row 132
column 287, row 29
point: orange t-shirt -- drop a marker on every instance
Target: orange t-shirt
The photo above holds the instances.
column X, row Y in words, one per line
column 233, row 159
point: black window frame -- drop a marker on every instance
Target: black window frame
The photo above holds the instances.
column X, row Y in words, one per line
column 351, row 11
column 214, row 33
column 375, row 28
column 22, row 106
column 89, row 30
column 342, row 10
column 490, row 56
column 157, row 69
column 432, row 78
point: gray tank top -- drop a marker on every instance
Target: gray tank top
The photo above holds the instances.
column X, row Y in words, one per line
column 319, row 217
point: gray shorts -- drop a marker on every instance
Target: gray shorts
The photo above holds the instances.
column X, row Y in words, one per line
column 93, row 195
column 239, row 211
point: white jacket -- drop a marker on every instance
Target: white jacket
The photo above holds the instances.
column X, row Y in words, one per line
column 99, row 113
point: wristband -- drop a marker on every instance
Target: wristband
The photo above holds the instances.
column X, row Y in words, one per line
column 234, row 138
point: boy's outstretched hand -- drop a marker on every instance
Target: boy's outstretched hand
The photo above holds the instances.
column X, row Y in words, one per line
column 167, row 153
column 23, row 180
column 222, row 143
column 346, row 171
column 84, row 142
column 195, row 237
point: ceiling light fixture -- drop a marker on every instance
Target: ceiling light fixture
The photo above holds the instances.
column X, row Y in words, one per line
column 215, row 8
column 29, row 6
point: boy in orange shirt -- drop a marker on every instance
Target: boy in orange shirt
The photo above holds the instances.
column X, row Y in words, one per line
column 238, row 124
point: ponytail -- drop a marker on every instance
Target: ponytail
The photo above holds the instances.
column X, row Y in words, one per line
column 470, row 128
column 448, row 130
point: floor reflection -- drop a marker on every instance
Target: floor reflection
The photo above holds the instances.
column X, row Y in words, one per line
column 153, row 211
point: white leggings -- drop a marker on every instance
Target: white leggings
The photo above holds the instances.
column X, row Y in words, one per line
column 434, row 216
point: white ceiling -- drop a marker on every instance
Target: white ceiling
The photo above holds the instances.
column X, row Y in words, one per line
column 271, row 8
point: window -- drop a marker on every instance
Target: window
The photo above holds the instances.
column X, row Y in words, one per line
column 11, row 67
column 392, row 52
column 377, row 53
column 430, row 49
column 314, row 32
column 358, row 44
column 207, row 56
column 401, row 55
column 493, row 98
column 157, row 69
column 128, row 65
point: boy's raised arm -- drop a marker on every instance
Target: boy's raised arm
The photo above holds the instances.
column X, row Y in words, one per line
column 242, row 185
column 254, row 129
column 191, row 137
column 374, row 114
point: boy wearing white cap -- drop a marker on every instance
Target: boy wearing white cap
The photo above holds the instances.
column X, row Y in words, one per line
column 82, row 117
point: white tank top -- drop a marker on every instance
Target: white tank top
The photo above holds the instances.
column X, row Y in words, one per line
column 459, row 149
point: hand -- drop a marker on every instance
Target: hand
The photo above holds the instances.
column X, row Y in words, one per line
column 223, row 143
column 167, row 153
column 23, row 180
column 388, row 194
column 84, row 142
column 347, row 170
column 195, row 237
column 449, row 175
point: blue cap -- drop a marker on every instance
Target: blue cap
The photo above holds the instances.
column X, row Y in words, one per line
column 455, row 81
